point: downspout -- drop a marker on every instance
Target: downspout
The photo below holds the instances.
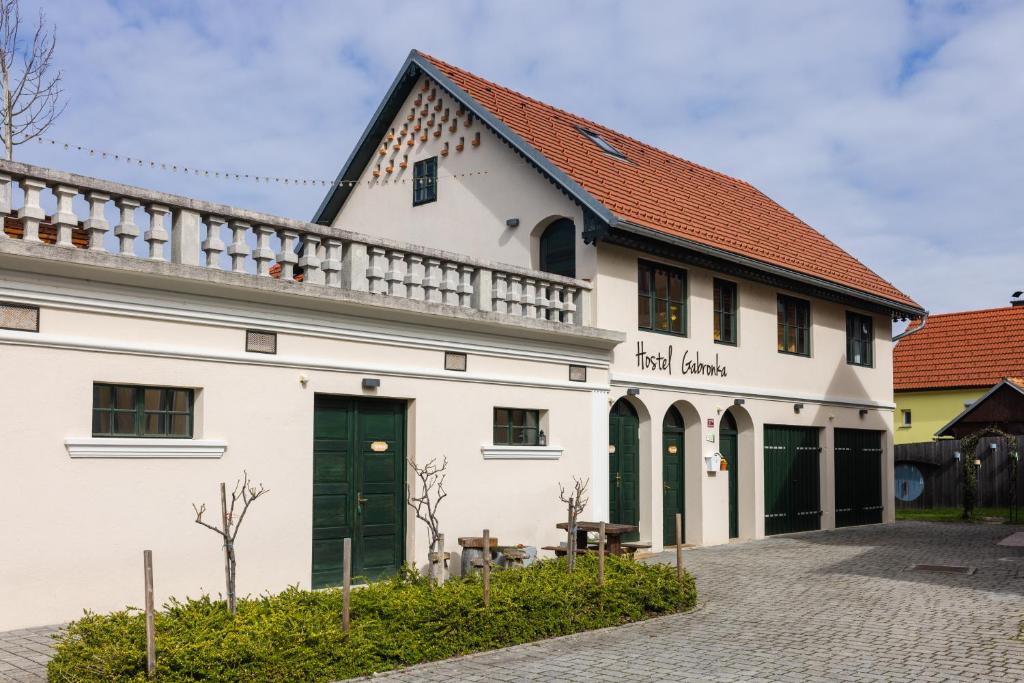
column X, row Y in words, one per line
column 907, row 333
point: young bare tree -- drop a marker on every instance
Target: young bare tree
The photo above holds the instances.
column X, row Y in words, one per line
column 431, row 492
column 247, row 493
column 30, row 86
column 576, row 501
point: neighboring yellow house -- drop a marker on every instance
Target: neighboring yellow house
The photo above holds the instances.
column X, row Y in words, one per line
column 951, row 363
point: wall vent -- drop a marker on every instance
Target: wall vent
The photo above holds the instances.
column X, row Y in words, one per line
column 577, row 373
column 19, row 317
column 260, row 342
column 455, row 361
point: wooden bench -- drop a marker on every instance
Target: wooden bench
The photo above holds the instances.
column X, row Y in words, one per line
column 562, row 551
column 630, row 547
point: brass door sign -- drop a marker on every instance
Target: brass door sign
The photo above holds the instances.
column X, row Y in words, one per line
column 378, row 446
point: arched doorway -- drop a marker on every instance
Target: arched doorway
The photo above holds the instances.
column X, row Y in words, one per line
column 673, row 473
column 558, row 248
column 624, row 465
column 728, row 437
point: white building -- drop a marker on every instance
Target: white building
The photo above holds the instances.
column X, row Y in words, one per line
column 488, row 275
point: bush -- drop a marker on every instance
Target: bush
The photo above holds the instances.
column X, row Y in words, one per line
column 296, row 635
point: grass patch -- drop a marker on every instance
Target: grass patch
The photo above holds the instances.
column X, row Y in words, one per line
column 296, row 635
column 951, row 514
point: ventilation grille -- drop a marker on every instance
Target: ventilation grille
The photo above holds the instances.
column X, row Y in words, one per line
column 577, row 373
column 260, row 342
column 16, row 317
column 454, row 361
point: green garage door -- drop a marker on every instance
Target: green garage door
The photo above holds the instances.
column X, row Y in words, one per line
column 791, row 479
column 358, row 486
column 858, row 454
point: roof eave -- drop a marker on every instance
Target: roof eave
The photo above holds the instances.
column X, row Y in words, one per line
column 969, row 409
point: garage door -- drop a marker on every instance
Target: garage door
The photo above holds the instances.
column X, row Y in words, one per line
column 791, row 479
column 858, row 454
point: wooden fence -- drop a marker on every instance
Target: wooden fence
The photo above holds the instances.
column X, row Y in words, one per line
column 943, row 485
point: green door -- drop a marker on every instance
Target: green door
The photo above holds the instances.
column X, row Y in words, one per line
column 624, row 465
column 791, row 479
column 727, row 446
column 358, row 486
column 673, row 475
column 858, row 467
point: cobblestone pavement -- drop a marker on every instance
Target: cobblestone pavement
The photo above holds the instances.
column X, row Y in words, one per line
column 820, row 606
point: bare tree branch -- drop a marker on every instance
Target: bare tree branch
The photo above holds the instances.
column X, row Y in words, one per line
column 431, row 486
column 576, row 502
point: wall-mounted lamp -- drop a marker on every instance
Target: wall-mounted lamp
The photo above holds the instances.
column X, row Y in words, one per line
column 738, row 402
column 371, row 383
column 993, row 446
column 956, row 456
column 542, row 438
column 303, row 380
column 633, row 391
column 797, row 407
column 977, row 462
column 863, row 413
column 512, row 223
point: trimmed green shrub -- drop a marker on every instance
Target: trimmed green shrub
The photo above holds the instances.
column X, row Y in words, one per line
column 296, row 635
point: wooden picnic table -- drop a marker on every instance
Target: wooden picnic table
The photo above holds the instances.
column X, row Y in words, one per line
column 613, row 534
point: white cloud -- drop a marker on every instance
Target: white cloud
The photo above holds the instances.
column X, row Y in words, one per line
column 893, row 128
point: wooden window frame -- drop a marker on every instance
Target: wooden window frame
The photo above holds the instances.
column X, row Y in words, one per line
column 140, row 412
column 784, row 329
column 721, row 314
column 424, row 192
column 509, row 426
column 853, row 327
column 646, row 270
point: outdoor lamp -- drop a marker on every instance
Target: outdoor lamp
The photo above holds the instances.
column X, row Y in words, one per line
column 956, row 456
column 542, row 438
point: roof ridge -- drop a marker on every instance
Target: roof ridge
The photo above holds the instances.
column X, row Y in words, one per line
column 932, row 316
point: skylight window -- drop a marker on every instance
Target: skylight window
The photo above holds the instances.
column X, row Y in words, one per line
column 602, row 143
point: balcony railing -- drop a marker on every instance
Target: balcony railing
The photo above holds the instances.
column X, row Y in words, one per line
column 155, row 226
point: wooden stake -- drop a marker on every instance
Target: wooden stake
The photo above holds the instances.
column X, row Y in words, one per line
column 346, row 582
column 147, row 564
column 679, row 546
column 487, row 567
column 600, row 554
column 227, row 551
column 440, row 553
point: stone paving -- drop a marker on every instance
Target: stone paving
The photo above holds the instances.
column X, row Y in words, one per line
column 820, row 606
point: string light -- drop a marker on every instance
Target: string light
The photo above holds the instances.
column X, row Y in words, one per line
column 226, row 175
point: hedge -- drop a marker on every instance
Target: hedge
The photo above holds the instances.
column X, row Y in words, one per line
column 296, row 635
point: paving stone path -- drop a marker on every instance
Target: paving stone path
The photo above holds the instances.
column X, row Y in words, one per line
column 820, row 606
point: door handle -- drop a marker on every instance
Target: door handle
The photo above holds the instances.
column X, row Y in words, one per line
column 618, row 479
column 359, row 498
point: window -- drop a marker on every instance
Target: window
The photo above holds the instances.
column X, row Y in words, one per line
column 859, row 339
column 603, row 144
column 127, row 410
column 558, row 248
column 424, row 181
column 907, row 418
column 794, row 326
column 516, row 427
column 661, row 305
column 725, row 312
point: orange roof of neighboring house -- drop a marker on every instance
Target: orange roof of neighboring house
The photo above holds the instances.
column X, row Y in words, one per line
column 671, row 195
column 968, row 349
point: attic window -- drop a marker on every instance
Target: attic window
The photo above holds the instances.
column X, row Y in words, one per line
column 602, row 143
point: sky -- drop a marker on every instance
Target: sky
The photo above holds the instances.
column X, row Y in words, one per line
column 895, row 128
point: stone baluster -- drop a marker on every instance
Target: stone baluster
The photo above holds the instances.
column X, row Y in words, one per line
column 375, row 270
column 466, row 286
column 331, row 265
column 5, row 202
column 529, row 298
column 499, row 290
column 395, row 275
column 157, row 235
column 287, row 258
column 541, row 299
column 65, row 218
column 31, row 212
column 414, row 277
column 263, row 254
column 213, row 245
column 312, row 253
column 432, row 282
column 569, row 306
column 96, row 224
column 126, row 230
column 555, row 302
column 449, row 284
column 238, row 250
column 514, row 296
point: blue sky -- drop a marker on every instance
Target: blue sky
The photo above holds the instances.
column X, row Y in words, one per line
column 893, row 128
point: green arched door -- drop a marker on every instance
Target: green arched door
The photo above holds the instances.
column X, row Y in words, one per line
column 727, row 446
column 673, row 474
column 624, row 465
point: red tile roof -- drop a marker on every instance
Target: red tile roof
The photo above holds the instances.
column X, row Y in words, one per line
column 671, row 195
column 968, row 349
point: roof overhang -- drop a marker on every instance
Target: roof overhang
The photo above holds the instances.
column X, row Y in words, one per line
column 945, row 431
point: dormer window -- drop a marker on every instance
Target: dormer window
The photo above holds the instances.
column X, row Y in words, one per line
column 605, row 146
